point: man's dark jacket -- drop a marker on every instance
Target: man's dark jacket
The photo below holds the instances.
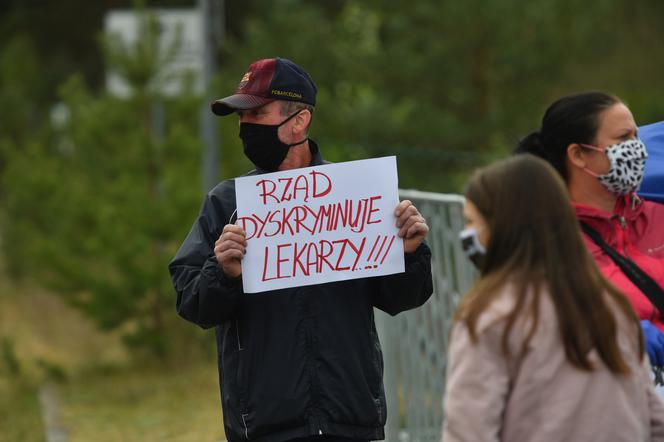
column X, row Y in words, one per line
column 294, row 362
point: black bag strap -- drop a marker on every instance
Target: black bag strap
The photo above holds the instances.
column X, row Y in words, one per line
column 641, row 279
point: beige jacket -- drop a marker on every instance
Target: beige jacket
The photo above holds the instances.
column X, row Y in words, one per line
column 540, row 396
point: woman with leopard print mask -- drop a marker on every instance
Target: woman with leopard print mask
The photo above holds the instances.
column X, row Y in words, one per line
column 591, row 139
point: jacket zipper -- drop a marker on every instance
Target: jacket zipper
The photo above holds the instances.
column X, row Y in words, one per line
column 623, row 226
column 240, row 348
column 246, row 430
column 237, row 333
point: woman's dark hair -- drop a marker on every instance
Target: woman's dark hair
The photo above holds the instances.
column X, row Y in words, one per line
column 535, row 246
column 570, row 119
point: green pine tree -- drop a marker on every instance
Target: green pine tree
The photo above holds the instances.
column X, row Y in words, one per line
column 96, row 207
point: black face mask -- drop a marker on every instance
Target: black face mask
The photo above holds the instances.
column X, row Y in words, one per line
column 472, row 247
column 263, row 146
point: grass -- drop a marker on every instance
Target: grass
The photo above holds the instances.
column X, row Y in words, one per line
column 105, row 395
column 20, row 419
column 145, row 405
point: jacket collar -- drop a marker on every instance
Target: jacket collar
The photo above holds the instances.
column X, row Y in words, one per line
column 316, row 158
column 628, row 206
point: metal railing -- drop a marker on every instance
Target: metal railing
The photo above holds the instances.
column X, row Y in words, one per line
column 415, row 342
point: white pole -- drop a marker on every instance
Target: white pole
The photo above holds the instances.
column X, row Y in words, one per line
column 212, row 20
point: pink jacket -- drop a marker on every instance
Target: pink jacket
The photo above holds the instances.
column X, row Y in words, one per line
column 636, row 230
column 539, row 396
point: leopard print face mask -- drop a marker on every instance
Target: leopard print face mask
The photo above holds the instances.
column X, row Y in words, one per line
column 628, row 161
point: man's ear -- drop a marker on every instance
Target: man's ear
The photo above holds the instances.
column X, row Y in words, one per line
column 576, row 155
column 302, row 121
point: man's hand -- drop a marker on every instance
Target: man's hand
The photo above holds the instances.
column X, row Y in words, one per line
column 230, row 249
column 412, row 226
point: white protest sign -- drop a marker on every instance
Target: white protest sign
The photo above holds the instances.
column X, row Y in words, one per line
column 319, row 224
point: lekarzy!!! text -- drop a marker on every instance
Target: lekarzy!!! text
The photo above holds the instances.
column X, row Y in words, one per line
column 292, row 259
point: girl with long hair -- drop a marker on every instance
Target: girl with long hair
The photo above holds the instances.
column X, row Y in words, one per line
column 543, row 347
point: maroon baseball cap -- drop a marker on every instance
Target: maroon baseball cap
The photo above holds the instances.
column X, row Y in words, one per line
column 268, row 80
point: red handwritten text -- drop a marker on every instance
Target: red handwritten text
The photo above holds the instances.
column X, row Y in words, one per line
column 354, row 215
column 311, row 185
column 290, row 260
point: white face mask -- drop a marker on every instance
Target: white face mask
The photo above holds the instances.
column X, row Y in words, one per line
column 472, row 247
column 628, row 160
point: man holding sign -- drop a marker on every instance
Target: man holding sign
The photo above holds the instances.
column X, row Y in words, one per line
column 300, row 360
